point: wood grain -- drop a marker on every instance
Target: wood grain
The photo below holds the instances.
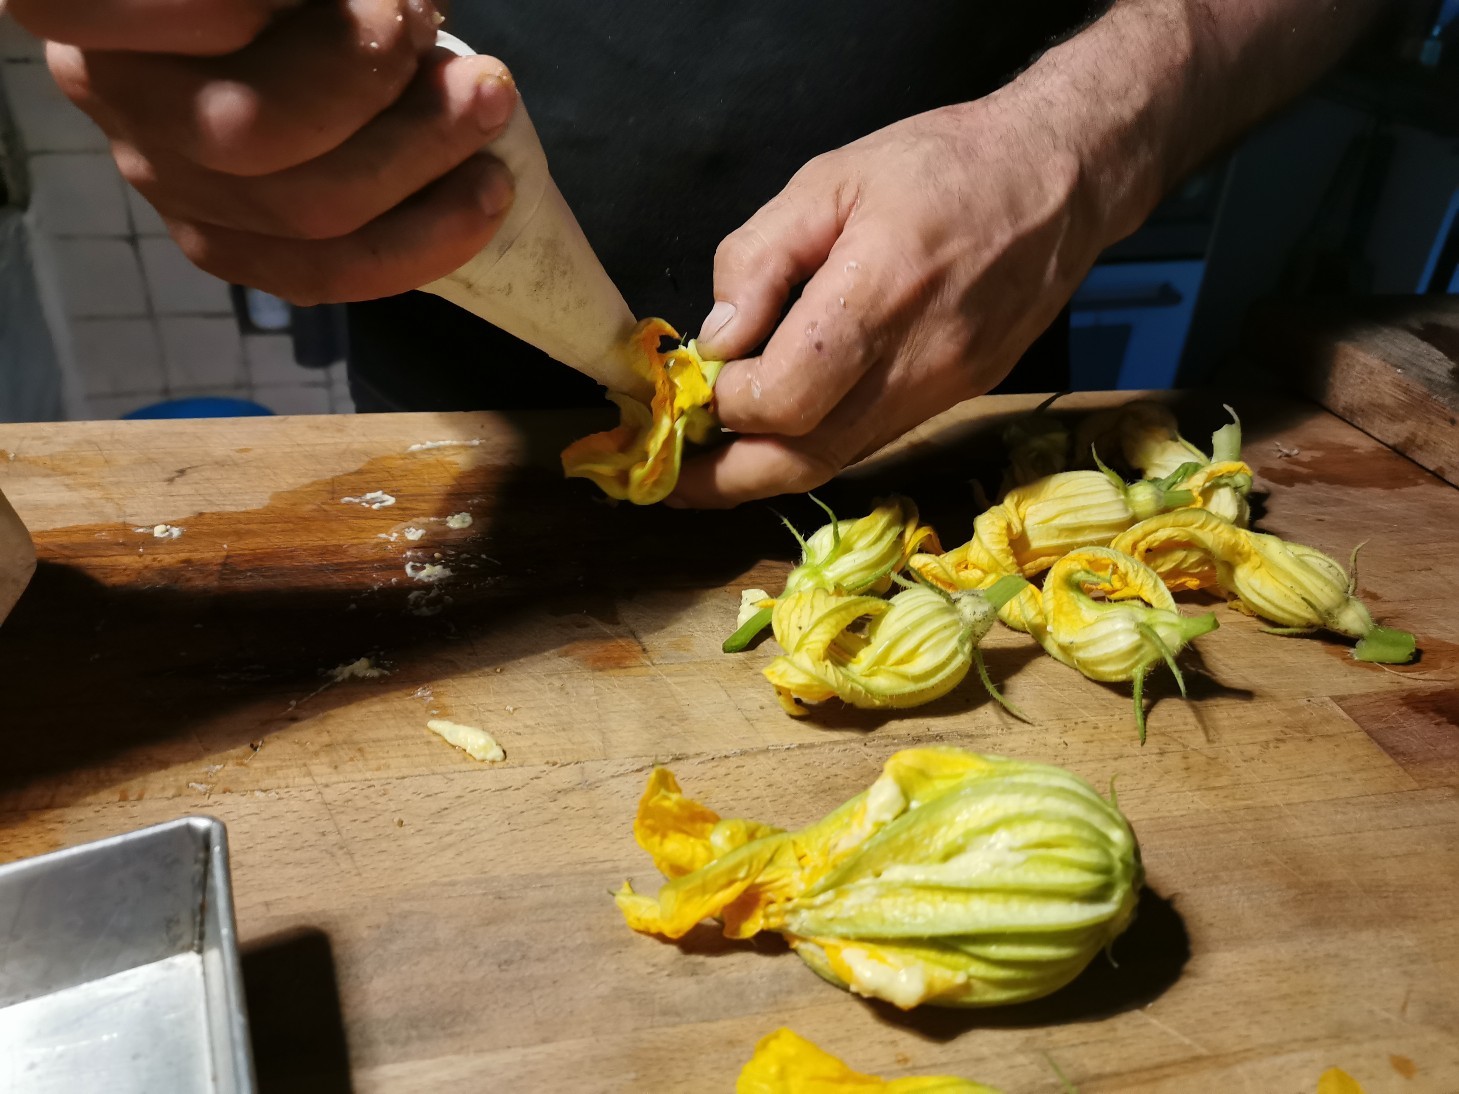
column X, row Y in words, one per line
column 415, row 921
column 1390, row 366
column 17, row 558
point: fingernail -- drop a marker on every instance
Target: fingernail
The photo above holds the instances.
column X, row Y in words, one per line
column 496, row 98
column 496, row 189
column 719, row 317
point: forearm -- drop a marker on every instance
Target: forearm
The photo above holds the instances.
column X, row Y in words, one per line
column 1154, row 87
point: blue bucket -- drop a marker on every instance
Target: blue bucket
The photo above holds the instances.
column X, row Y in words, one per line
column 202, row 407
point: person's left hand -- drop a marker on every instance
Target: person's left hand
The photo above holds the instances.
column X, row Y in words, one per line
column 933, row 253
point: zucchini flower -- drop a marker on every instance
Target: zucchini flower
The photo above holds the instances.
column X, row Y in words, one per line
column 1036, row 525
column 917, row 647
column 1132, row 626
column 639, row 460
column 786, row 1063
column 955, row 879
column 1299, row 589
column 1038, row 446
column 845, row 556
column 1146, row 437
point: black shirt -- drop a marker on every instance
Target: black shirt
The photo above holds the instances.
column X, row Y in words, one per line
column 667, row 124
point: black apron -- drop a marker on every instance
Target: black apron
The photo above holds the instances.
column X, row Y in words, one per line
column 667, row 124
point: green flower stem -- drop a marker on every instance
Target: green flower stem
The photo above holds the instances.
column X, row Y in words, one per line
column 1386, row 646
column 741, row 639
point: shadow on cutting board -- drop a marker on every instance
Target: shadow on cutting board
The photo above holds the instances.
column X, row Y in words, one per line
column 294, row 1015
column 158, row 653
column 1147, row 960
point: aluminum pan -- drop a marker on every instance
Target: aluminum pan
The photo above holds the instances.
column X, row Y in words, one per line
column 119, row 967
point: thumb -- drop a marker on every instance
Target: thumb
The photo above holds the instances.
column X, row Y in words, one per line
column 758, row 265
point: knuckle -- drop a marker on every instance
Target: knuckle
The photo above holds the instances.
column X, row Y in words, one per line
column 136, row 169
column 792, row 415
column 812, row 468
column 68, row 70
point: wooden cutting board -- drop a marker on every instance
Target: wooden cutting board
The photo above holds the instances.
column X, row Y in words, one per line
column 416, row 921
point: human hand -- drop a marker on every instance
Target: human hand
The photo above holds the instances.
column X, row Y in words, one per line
column 933, row 253
column 323, row 152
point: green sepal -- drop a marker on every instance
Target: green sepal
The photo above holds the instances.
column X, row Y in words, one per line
column 1004, row 590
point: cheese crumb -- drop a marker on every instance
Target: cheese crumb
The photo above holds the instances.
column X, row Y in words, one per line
column 363, row 669
column 415, row 534
column 161, row 531
column 459, row 521
column 476, row 743
column 375, row 499
column 428, row 572
column 426, row 446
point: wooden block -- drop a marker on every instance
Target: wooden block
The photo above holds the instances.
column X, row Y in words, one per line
column 1390, row 366
column 17, row 558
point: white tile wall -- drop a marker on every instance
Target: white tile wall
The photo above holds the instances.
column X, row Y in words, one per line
column 202, row 353
column 295, row 398
column 145, row 221
column 78, row 194
column 144, row 325
column 103, row 408
column 270, row 360
column 118, row 356
column 16, row 44
column 100, row 278
column 47, row 120
column 178, row 287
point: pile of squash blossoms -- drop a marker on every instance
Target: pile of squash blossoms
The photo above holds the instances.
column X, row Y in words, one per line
column 1110, row 555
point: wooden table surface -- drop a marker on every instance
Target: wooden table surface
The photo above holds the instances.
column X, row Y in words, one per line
column 416, row 921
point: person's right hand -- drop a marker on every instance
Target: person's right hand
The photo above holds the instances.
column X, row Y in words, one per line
column 320, row 150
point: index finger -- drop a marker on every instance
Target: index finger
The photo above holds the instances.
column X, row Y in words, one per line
column 829, row 339
column 202, row 28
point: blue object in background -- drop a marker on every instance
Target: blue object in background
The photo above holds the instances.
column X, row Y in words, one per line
column 1130, row 321
column 200, row 408
column 1441, row 272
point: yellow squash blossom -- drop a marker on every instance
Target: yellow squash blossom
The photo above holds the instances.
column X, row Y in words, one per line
column 848, row 556
column 639, row 461
column 915, row 648
column 1143, row 435
column 1113, row 619
column 1298, row 588
column 1038, row 446
column 1337, row 1081
column 1146, row 437
column 1222, row 488
column 955, row 879
column 786, row 1063
column 1036, row 525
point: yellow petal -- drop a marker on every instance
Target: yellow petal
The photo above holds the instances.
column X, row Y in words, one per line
column 639, row 460
column 786, row 1063
column 1337, row 1081
column 681, row 835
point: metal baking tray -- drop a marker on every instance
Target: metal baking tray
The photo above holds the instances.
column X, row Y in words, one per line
column 119, row 968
